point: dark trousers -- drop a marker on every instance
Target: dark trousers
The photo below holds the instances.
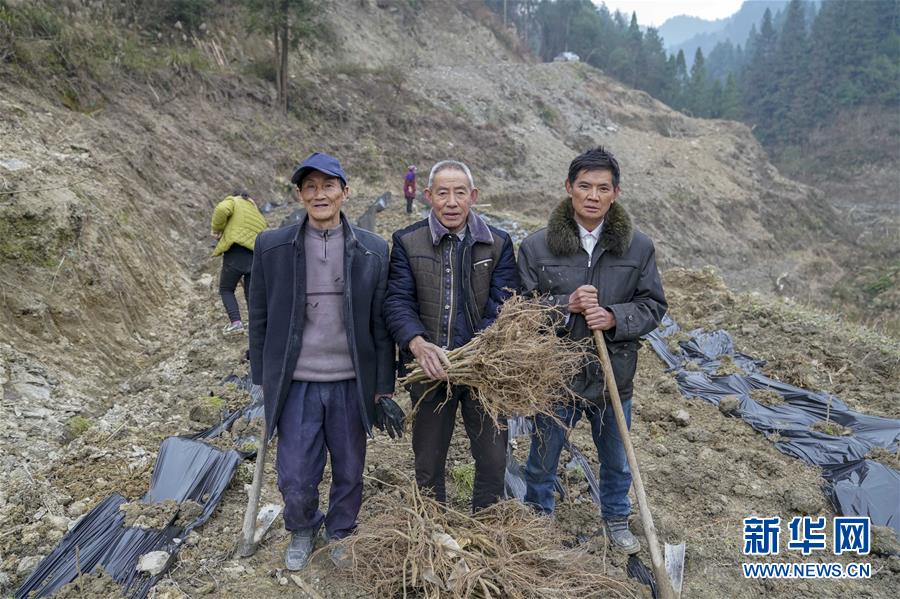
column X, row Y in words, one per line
column 431, row 433
column 409, row 204
column 236, row 263
column 316, row 417
column 547, row 443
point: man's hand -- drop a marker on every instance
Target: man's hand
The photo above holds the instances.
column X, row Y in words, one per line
column 583, row 298
column 431, row 358
column 217, row 234
column 599, row 319
column 389, row 416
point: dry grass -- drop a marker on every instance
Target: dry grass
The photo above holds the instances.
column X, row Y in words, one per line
column 516, row 367
column 411, row 544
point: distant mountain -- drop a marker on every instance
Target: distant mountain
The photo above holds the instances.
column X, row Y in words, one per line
column 708, row 33
column 677, row 30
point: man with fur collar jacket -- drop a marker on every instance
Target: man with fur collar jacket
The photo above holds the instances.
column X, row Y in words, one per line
column 601, row 273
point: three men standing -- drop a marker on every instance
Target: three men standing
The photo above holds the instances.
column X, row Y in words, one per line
column 449, row 274
column 326, row 299
column 600, row 271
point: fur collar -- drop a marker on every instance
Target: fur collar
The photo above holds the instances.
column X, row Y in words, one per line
column 562, row 230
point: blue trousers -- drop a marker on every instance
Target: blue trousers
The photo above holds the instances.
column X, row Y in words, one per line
column 317, row 417
column 547, row 443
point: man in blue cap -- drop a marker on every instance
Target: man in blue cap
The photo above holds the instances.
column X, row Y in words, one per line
column 321, row 351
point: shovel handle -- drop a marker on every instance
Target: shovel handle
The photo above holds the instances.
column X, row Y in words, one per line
column 247, row 547
column 659, row 569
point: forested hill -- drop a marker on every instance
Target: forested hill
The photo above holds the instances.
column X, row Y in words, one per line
column 818, row 83
column 794, row 72
column 690, row 33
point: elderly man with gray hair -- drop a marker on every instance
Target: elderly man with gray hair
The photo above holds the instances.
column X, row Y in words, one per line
column 449, row 274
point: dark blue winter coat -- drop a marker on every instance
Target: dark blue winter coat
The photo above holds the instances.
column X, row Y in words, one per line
column 278, row 305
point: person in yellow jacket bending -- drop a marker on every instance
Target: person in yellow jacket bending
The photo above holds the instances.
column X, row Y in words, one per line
column 236, row 222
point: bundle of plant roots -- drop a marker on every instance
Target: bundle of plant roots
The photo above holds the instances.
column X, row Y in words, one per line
column 516, row 367
column 410, row 544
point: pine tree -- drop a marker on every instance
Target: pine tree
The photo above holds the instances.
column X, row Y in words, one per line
column 730, row 104
column 759, row 87
column 698, row 87
column 791, row 77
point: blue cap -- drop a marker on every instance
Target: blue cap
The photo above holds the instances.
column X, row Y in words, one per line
column 317, row 161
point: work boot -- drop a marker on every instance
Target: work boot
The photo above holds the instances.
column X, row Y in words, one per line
column 297, row 554
column 340, row 557
column 620, row 536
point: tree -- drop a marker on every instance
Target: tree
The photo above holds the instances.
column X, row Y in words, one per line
column 791, row 76
column 698, row 88
column 287, row 21
column 730, row 105
column 759, row 90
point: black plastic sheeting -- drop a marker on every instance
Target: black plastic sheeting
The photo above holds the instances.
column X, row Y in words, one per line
column 186, row 469
column 855, row 485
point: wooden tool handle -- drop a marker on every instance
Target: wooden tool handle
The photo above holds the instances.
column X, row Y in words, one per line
column 656, row 557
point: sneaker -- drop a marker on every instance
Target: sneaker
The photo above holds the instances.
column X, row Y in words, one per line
column 299, row 550
column 234, row 327
column 620, row 536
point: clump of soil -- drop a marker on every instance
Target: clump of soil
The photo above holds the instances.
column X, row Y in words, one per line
column 97, row 585
column 728, row 366
column 160, row 515
column 887, row 457
column 673, row 341
column 831, row 428
column 692, row 366
column 767, row 397
column 188, row 511
column 247, row 427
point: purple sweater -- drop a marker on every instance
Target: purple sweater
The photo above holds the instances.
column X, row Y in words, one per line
column 325, row 353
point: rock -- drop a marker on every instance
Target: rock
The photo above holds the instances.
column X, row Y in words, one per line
column 696, row 435
column 681, row 417
column 154, row 562
column 730, row 405
column 205, row 280
column 884, row 541
column 78, row 508
column 659, row 450
column 60, row 523
column 808, row 501
column 32, row 391
column 14, row 164
column 192, row 539
column 27, row 564
column 667, row 384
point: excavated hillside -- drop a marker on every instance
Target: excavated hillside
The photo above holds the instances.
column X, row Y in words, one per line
column 117, row 142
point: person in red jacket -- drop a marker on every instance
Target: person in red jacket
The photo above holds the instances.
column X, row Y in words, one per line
column 409, row 188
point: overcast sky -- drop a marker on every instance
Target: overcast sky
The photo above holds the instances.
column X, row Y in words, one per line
column 653, row 13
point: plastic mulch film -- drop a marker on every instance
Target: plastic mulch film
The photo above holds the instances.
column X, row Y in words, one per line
column 186, row 470
column 579, row 459
column 856, row 486
column 514, row 477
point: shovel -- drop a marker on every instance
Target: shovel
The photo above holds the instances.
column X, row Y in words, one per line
column 257, row 522
column 668, row 574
